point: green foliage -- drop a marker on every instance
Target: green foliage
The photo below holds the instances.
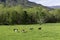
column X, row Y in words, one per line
column 56, row 14
column 35, row 15
column 12, row 15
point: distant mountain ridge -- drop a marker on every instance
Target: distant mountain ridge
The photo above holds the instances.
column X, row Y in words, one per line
column 55, row 7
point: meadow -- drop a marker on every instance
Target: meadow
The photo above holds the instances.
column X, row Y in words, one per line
column 50, row 31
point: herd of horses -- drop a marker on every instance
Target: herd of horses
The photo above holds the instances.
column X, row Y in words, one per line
column 24, row 31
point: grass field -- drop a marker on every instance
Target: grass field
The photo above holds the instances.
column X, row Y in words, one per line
column 48, row 32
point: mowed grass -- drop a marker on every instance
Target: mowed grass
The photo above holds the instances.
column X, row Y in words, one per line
column 49, row 31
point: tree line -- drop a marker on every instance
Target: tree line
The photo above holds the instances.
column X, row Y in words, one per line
column 34, row 15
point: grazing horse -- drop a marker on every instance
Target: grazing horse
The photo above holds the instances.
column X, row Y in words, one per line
column 24, row 31
column 31, row 28
column 39, row 28
column 15, row 30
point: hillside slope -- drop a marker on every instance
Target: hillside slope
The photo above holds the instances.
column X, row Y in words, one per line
column 24, row 3
column 19, row 2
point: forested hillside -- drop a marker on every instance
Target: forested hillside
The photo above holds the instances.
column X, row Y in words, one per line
column 14, row 12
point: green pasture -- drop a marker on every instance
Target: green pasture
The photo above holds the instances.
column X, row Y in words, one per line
column 49, row 31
